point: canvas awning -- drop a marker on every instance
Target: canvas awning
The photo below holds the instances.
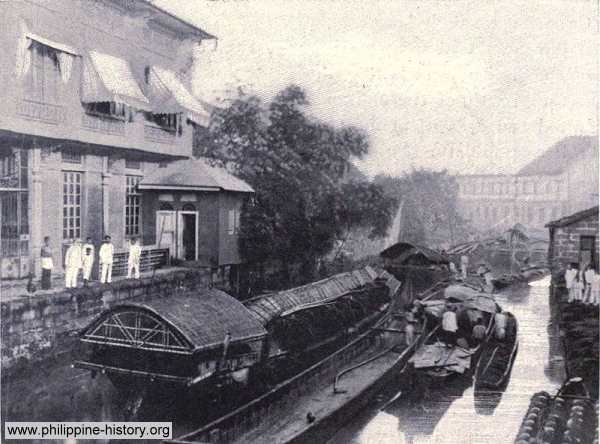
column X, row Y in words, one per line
column 169, row 95
column 107, row 78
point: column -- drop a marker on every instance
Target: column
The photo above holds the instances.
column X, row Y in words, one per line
column 35, row 210
column 106, row 176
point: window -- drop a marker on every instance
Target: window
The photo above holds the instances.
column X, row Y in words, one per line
column 132, row 206
column 44, row 76
column 165, row 206
column 167, row 122
column 133, row 164
column 234, row 222
column 542, row 214
column 71, row 156
column 188, row 207
column 506, row 211
column 107, row 109
column 555, row 213
column 71, row 204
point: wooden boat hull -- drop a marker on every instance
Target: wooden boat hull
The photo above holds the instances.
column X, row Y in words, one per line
column 498, row 359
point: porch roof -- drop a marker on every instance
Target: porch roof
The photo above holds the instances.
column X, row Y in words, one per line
column 193, row 175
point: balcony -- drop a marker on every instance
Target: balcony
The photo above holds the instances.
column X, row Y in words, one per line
column 103, row 124
column 43, row 112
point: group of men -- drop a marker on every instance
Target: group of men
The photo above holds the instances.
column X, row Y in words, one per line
column 451, row 335
column 582, row 286
column 81, row 257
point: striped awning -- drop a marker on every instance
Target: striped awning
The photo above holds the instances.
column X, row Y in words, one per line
column 107, row 78
column 169, row 95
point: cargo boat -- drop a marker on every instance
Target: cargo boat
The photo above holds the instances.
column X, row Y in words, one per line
column 332, row 390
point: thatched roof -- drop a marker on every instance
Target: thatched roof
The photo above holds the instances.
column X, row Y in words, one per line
column 202, row 319
column 269, row 307
column 402, row 251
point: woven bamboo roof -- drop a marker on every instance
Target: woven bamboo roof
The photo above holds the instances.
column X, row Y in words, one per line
column 269, row 307
column 203, row 319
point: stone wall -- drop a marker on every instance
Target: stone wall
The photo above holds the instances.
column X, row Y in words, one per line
column 35, row 328
column 565, row 244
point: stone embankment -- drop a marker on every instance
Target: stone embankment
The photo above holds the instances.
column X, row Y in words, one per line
column 44, row 326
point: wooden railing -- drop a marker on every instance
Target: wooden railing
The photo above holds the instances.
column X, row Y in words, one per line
column 103, row 124
column 157, row 134
column 151, row 259
column 45, row 112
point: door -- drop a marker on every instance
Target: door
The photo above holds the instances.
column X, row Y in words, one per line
column 166, row 230
column 187, row 235
column 586, row 251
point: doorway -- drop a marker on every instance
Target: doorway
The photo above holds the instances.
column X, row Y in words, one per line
column 187, row 235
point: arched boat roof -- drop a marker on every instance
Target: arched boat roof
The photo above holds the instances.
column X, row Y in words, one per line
column 268, row 307
column 403, row 250
column 183, row 323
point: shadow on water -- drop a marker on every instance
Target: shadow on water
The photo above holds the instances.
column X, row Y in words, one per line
column 460, row 414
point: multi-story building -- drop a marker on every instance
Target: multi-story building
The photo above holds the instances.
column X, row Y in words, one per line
column 94, row 101
column 562, row 180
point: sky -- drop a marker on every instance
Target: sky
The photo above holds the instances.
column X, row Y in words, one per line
column 469, row 86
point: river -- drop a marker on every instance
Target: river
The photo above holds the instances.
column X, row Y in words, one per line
column 56, row 392
column 457, row 414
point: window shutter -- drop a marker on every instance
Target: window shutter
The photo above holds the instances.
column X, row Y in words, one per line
column 237, row 221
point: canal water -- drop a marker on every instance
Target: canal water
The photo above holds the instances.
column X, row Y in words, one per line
column 457, row 414
column 454, row 414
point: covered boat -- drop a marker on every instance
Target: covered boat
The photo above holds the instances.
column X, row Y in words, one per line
column 176, row 340
column 438, row 359
column 420, row 265
column 206, row 338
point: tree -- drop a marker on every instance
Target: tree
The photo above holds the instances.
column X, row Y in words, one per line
column 296, row 165
column 429, row 206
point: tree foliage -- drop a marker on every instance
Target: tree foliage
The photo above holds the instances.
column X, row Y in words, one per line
column 296, row 165
column 429, row 202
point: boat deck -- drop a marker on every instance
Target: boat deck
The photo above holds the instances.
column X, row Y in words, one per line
column 289, row 424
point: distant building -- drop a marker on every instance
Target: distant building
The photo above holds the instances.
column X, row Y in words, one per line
column 94, row 102
column 574, row 239
column 561, row 181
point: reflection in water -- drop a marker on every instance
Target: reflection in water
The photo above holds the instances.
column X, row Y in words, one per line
column 458, row 415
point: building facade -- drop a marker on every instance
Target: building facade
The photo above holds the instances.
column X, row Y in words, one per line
column 574, row 240
column 89, row 110
column 561, row 181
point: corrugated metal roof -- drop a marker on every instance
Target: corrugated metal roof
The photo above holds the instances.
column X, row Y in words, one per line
column 193, row 174
column 269, row 307
column 203, row 318
column 107, row 78
column 170, row 95
column 558, row 157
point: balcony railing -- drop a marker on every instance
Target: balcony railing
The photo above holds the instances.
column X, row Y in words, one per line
column 101, row 124
column 45, row 112
column 156, row 134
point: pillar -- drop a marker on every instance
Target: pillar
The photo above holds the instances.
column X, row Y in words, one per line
column 35, row 210
column 106, row 176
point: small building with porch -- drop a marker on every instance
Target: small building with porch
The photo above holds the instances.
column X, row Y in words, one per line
column 193, row 208
column 574, row 240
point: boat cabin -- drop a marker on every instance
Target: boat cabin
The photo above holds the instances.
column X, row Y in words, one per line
column 176, row 339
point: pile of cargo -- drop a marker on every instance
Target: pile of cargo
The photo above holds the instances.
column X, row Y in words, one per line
column 559, row 419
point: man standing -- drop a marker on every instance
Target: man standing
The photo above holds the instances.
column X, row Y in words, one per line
column 73, row 259
column 106, row 260
column 464, row 265
column 135, row 254
column 570, row 274
column 588, row 277
column 47, row 264
column 449, row 325
column 87, row 263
